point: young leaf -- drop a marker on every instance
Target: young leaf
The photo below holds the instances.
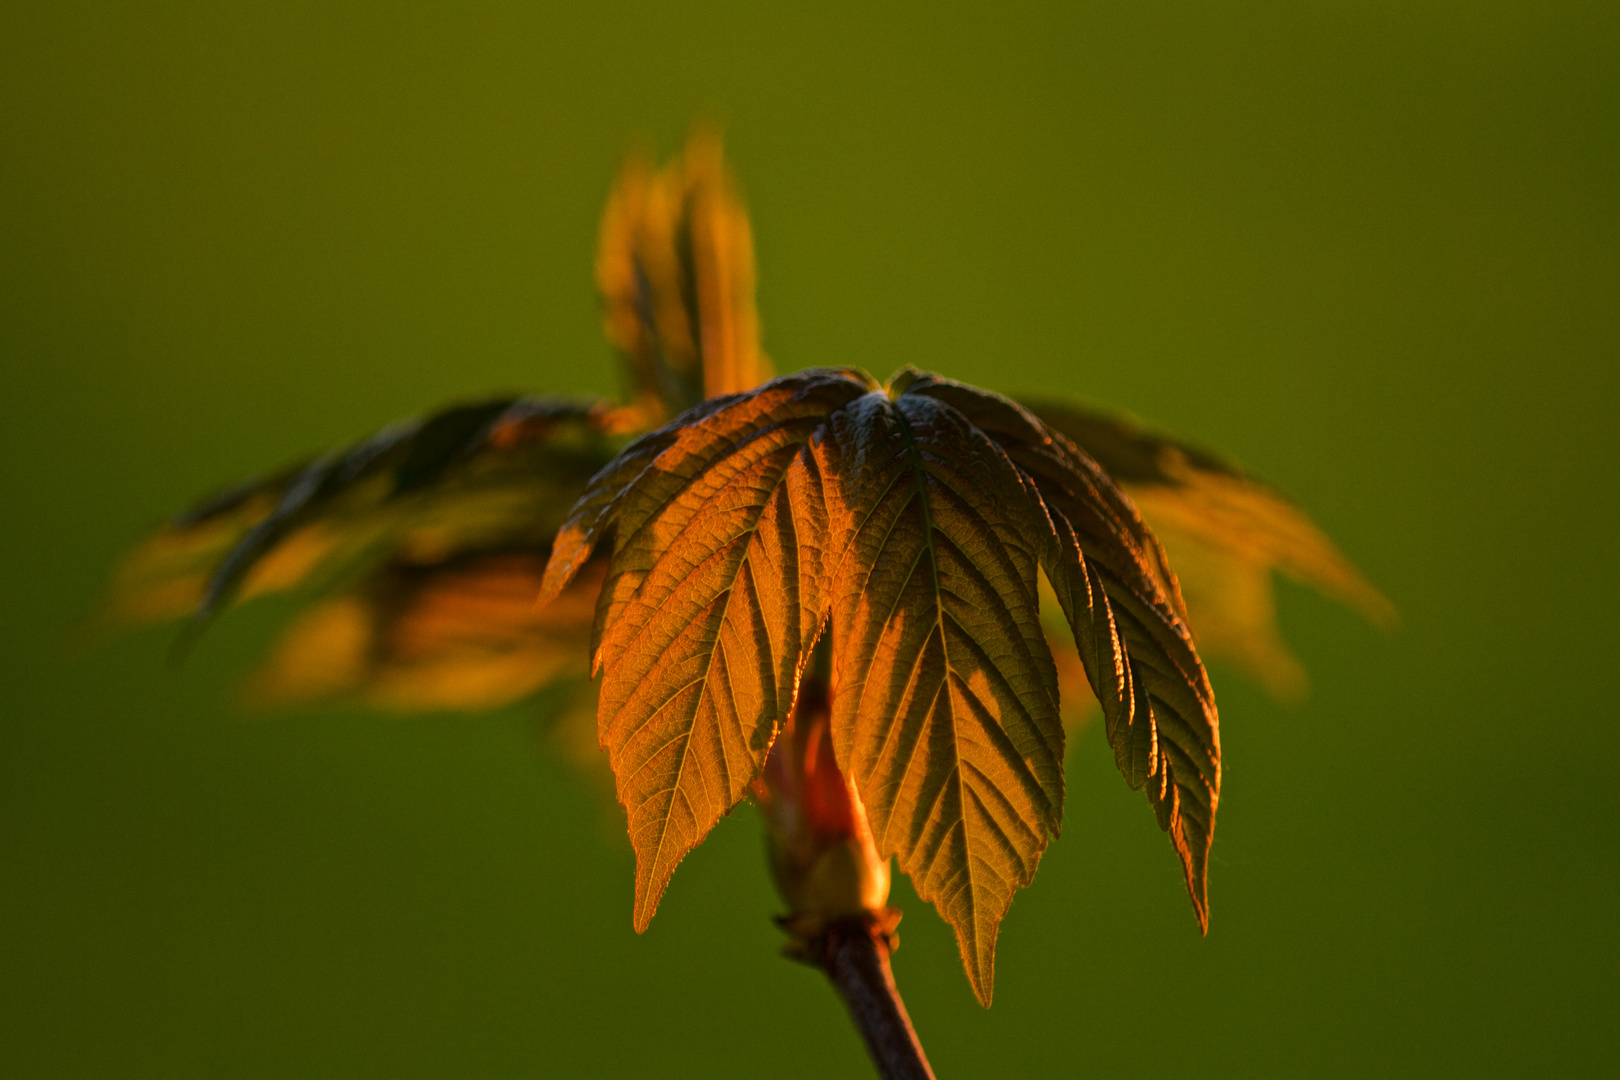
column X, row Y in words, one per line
column 920, row 525
column 1227, row 532
column 458, row 634
column 710, row 606
column 675, row 270
column 1114, row 584
column 494, row 474
column 944, row 693
column 914, row 518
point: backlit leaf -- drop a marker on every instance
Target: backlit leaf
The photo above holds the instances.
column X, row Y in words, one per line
column 1116, row 590
column 914, row 519
column 710, row 606
column 944, row 694
column 460, row 634
column 675, row 270
column 915, row 553
column 496, row 474
column 1226, row 533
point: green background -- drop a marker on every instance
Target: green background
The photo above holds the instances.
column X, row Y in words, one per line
column 1368, row 249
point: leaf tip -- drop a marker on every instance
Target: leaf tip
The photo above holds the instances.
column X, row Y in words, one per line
column 1198, row 890
column 901, row 380
column 647, row 897
column 983, row 979
column 979, row 960
column 654, row 869
column 568, row 553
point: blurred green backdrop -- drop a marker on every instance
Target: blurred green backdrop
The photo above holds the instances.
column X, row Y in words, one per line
column 1369, row 249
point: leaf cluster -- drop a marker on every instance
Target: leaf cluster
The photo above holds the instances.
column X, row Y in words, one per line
column 975, row 570
column 910, row 522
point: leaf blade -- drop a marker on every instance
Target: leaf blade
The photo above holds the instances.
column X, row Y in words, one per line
column 1227, row 532
column 675, row 272
column 470, row 477
column 706, row 618
column 939, row 663
column 1119, row 597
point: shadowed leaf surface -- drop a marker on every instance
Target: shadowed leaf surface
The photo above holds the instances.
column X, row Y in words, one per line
column 499, row 474
column 1226, row 533
column 1117, row 592
column 915, row 518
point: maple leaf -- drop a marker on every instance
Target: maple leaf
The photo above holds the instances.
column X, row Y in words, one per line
column 909, row 521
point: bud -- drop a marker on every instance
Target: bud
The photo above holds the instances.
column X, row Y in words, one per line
column 822, row 856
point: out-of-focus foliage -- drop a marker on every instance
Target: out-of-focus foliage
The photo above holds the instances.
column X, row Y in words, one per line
column 675, row 269
column 495, row 475
column 458, row 634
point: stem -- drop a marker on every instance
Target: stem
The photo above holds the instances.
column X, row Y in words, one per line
column 855, row 955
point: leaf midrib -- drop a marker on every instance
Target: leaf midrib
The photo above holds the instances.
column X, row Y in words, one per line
column 725, row 598
column 962, row 794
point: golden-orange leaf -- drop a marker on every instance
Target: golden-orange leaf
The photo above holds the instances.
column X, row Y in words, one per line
column 913, row 519
column 709, row 608
column 675, row 270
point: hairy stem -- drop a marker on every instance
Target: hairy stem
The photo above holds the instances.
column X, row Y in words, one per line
column 855, row 956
